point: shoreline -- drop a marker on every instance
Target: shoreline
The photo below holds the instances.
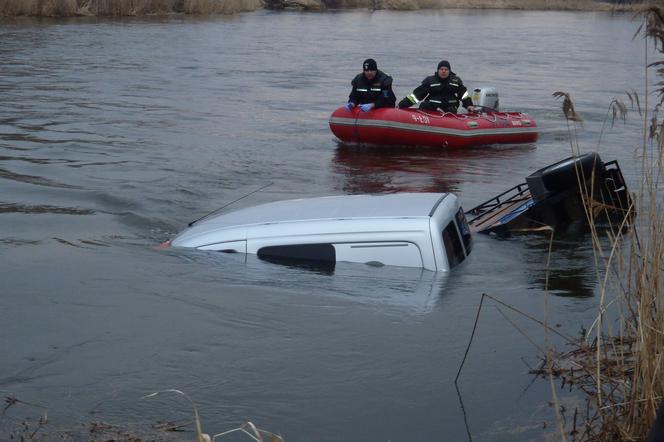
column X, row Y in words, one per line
column 141, row 8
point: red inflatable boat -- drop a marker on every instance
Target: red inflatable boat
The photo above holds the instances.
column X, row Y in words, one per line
column 414, row 127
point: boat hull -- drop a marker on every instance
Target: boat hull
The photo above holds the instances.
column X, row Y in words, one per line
column 415, row 127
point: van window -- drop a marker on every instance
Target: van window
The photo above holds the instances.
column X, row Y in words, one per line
column 319, row 257
column 395, row 253
column 453, row 247
column 313, row 252
column 462, row 224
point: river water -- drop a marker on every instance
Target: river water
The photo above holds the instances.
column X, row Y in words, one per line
column 116, row 133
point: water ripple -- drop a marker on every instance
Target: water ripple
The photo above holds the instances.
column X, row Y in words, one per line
column 43, row 209
column 31, row 179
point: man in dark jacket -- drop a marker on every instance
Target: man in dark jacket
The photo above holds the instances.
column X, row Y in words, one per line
column 442, row 91
column 372, row 88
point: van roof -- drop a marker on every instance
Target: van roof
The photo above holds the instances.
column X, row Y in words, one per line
column 396, row 205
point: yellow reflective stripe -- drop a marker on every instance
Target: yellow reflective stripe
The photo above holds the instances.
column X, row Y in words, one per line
column 412, row 98
column 362, row 90
column 376, row 89
column 435, row 84
column 435, row 101
column 465, row 95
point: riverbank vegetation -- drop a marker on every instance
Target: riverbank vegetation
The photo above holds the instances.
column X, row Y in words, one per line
column 119, row 8
column 36, row 429
column 618, row 363
column 70, row 8
column 405, row 5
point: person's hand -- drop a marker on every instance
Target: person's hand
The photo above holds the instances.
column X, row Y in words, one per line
column 405, row 103
column 367, row 107
column 472, row 109
column 349, row 105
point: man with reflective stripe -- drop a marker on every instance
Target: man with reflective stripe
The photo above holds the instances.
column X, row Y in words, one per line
column 442, row 91
column 371, row 89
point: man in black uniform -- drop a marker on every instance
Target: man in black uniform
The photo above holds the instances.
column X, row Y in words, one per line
column 372, row 88
column 442, row 91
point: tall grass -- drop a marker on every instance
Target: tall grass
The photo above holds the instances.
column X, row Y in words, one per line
column 619, row 363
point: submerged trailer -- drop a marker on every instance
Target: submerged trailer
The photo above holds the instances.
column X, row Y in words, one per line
column 576, row 189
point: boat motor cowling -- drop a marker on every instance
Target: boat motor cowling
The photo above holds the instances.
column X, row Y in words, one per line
column 486, row 97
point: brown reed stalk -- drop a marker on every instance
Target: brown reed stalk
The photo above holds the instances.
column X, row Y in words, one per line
column 248, row 428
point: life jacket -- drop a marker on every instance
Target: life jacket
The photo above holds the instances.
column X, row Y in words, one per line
column 378, row 90
column 445, row 93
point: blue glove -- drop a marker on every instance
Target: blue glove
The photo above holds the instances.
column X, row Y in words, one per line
column 349, row 105
column 367, row 107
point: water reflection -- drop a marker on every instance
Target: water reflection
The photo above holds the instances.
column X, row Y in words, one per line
column 571, row 270
column 415, row 289
column 377, row 169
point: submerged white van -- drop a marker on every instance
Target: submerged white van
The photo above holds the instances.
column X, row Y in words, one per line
column 427, row 230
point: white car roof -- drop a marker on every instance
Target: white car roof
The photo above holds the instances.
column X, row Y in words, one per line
column 398, row 205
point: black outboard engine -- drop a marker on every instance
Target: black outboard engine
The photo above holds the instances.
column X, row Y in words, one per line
column 565, row 175
column 562, row 189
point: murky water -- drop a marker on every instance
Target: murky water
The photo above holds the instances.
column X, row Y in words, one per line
column 115, row 134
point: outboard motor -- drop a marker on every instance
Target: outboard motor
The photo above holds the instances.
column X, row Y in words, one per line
column 487, row 97
column 565, row 175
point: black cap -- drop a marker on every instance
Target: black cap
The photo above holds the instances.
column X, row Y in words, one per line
column 446, row 64
column 369, row 65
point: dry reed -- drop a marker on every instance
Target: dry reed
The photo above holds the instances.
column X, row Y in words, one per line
column 35, row 430
column 248, row 428
column 617, row 364
column 67, row 8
